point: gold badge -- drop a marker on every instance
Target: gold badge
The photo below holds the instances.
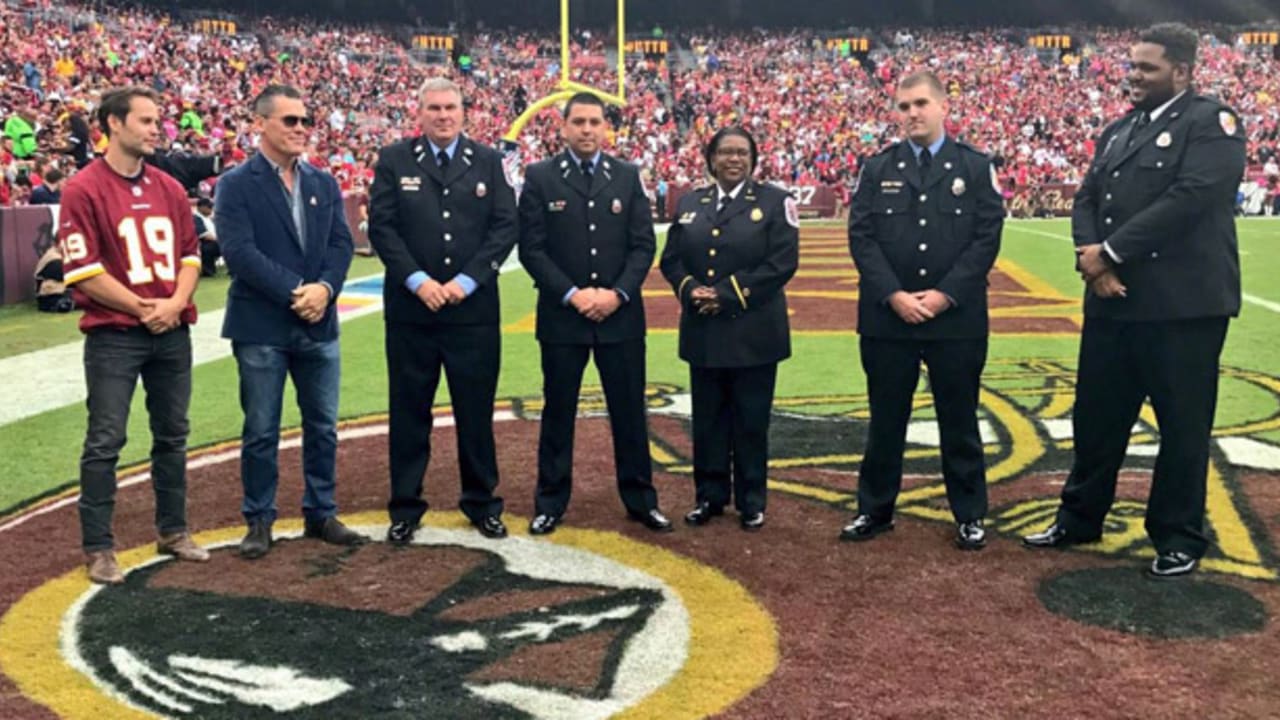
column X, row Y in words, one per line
column 1228, row 122
column 757, row 215
column 481, row 190
column 1165, row 139
column 957, row 187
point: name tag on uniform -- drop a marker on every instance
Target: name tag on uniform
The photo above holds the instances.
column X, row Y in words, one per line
column 687, row 218
column 556, row 206
column 891, row 187
column 411, row 184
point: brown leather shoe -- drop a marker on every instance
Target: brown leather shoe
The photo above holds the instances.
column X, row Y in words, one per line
column 181, row 546
column 103, row 568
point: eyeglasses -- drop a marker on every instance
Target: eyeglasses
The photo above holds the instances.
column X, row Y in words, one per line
column 733, row 152
column 291, row 121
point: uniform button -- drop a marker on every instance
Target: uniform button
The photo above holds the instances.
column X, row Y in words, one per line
column 715, row 232
column 889, row 211
column 1107, row 220
column 1155, row 255
column 593, row 227
column 447, row 261
column 923, row 222
column 1115, row 174
column 924, row 198
column 445, row 214
column 712, row 252
column 711, row 273
column 594, row 276
column 923, row 272
column 1159, row 163
column 448, row 237
column 446, row 192
column 1108, row 196
column 591, row 203
column 924, row 246
column 959, row 211
column 593, row 251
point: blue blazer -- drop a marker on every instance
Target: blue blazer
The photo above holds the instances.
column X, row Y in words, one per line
column 259, row 241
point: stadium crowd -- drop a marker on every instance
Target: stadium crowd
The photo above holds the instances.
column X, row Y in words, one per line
column 815, row 110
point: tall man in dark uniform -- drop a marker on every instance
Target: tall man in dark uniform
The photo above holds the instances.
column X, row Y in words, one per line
column 586, row 238
column 924, row 230
column 1156, row 244
column 442, row 217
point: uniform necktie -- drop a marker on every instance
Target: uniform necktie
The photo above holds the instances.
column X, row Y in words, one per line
column 724, row 203
column 1139, row 124
column 586, row 169
column 442, row 158
column 926, row 159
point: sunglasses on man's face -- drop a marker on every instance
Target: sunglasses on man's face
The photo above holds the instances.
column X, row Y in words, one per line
column 291, row 121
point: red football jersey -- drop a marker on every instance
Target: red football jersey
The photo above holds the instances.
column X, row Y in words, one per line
column 139, row 231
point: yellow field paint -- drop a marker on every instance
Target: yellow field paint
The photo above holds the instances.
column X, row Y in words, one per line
column 835, row 497
column 1029, row 280
column 526, row 324
column 1257, row 426
column 1234, row 539
column 845, row 295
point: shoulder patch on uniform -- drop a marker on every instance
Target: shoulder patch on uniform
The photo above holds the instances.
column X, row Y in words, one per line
column 1227, row 120
column 792, row 212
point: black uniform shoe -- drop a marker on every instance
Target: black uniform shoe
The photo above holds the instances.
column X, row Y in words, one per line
column 332, row 531
column 865, row 527
column 702, row 513
column 401, row 533
column 257, row 542
column 1172, row 565
column 544, row 524
column 751, row 522
column 653, row 519
column 491, row 527
column 971, row 535
column 1054, row 536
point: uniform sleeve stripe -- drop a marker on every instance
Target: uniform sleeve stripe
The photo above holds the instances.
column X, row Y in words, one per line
column 83, row 273
column 738, row 289
column 680, row 290
column 191, row 260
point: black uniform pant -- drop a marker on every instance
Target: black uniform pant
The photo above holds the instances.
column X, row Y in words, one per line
column 893, row 370
column 469, row 355
column 731, row 409
column 622, row 373
column 113, row 362
column 1175, row 364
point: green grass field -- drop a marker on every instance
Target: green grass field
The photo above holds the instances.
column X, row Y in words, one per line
column 39, row 455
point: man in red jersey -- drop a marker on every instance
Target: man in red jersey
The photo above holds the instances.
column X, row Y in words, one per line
column 130, row 255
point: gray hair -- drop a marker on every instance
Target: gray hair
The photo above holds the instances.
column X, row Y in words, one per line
column 440, row 84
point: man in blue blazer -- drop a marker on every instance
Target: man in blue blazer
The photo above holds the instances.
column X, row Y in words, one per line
column 287, row 246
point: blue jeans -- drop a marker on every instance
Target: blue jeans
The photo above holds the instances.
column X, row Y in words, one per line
column 315, row 368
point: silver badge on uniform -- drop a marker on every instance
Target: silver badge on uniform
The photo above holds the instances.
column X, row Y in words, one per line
column 957, row 187
column 481, row 190
column 1164, row 140
column 616, row 207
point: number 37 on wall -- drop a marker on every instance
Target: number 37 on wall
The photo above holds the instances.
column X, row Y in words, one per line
column 158, row 261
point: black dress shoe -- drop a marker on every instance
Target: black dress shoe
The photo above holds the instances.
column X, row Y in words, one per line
column 653, row 519
column 491, row 527
column 401, row 533
column 1174, row 564
column 544, row 524
column 1054, row 536
column 257, row 542
column 865, row 527
column 332, row 531
column 702, row 513
column 971, row 535
column 751, row 522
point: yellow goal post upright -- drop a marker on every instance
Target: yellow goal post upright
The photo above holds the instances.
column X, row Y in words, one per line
column 567, row 86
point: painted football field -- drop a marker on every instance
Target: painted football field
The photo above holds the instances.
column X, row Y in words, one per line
column 815, row 627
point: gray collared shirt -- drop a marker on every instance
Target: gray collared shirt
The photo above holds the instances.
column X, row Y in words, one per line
column 292, row 197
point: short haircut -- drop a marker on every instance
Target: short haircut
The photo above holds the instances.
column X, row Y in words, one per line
column 440, row 84
column 583, row 98
column 117, row 103
column 53, row 176
column 265, row 102
column 1178, row 40
column 204, row 203
column 731, row 131
column 923, row 77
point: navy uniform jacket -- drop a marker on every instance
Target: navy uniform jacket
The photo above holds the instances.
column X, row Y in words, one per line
column 747, row 254
column 461, row 220
column 267, row 261
column 912, row 233
column 575, row 235
column 1165, row 204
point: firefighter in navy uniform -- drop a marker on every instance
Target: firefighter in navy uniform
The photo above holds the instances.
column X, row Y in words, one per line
column 442, row 217
column 732, row 249
column 924, row 231
column 1156, row 244
column 586, row 238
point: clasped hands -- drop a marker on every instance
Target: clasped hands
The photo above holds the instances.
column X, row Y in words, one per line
column 919, row 307
column 160, row 316
column 310, row 301
column 436, row 295
column 595, row 304
column 705, row 300
column 1097, row 273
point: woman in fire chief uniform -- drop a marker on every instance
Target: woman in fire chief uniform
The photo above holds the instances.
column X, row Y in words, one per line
column 732, row 248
